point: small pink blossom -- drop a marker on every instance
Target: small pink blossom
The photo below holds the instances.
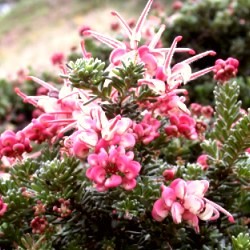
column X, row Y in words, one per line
column 203, row 161
column 115, row 26
column 57, row 58
column 14, row 144
column 169, row 174
column 207, row 111
column 196, row 109
column 80, row 143
column 177, row 5
column 185, row 200
column 225, row 70
column 112, row 168
column 147, row 130
column 41, row 129
column 167, row 104
column 184, row 124
column 3, row 207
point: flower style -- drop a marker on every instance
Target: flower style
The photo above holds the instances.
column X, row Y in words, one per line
column 184, row 200
column 112, row 168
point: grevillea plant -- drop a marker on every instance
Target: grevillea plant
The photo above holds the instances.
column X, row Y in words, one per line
column 117, row 159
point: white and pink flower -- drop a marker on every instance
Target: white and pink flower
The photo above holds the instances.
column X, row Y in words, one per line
column 185, row 201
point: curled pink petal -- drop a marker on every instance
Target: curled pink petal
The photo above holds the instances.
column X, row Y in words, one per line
column 179, row 186
column 128, row 184
column 168, row 196
column 113, row 181
column 176, row 211
column 207, row 214
column 160, row 211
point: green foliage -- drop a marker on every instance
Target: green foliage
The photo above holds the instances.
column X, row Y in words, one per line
column 57, row 179
column 34, row 243
column 241, row 242
column 237, row 142
column 243, row 167
column 227, row 109
column 5, row 104
column 191, row 172
column 13, row 111
column 126, row 77
column 229, row 169
column 222, row 26
column 87, row 74
column 231, row 127
column 90, row 74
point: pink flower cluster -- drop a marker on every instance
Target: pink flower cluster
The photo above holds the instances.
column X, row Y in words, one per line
column 182, row 125
column 225, row 70
column 40, row 129
column 199, row 110
column 160, row 75
column 111, row 165
column 147, row 130
column 57, row 58
column 113, row 168
column 14, row 144
column 106, row 145
column 185, row 201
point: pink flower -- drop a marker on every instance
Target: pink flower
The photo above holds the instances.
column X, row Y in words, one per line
column 109, row 169
column 14, row 144
column 147, row 130
column 122, row 51
column 57, row 58
column 185, row 200
column 3, row 207
column 118, row 125
column 181, row 73
column 41, row 129
column 225, row 70
column 177, row 5
column 167, row 104
column 207, row 111
column 203, row 161
column 115, row 26
column 81, row 142
column 160, row 210
column 184, row 124
column 169, row 174
column 196, row 109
